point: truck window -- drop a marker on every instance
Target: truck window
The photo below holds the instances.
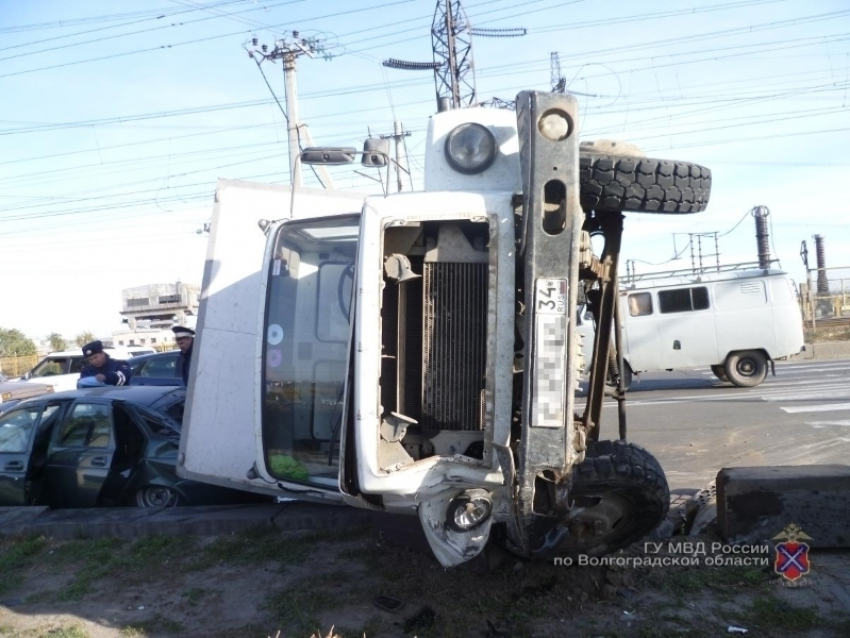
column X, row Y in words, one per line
column 683, row 299
column 640, row 304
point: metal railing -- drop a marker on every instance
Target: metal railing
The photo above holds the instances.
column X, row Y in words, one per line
column 14, row 367
column 632, row 277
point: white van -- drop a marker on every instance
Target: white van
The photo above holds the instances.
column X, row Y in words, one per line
column 736, row 321
column 62, row 369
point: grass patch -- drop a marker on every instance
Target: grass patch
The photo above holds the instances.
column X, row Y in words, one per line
column 16, row 553
column 264, row 544
column 194, row 595
column 726, row 578
column 771, row 613
column 74, row 631
column 155, row 626
column 138, row 561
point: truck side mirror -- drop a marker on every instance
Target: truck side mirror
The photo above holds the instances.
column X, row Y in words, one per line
column 375, row 152
column 328, row 155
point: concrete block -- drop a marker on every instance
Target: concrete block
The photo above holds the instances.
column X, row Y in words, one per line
column 831, row 350
column 756, row 503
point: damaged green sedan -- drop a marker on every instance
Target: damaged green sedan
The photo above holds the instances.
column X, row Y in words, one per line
column 100, row 447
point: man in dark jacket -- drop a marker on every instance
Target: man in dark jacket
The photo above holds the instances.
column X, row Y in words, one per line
column 185, row 338
column 103, row 368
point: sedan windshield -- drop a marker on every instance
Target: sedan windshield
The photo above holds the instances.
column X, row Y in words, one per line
column 307, row 336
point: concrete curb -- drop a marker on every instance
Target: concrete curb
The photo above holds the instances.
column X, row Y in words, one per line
column 824, row 350
column 177, row 521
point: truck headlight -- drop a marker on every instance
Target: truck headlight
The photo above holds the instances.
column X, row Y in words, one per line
column 469, row 510
column 471, row 148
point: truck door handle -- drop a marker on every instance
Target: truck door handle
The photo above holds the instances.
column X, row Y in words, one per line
column 98, row 461
column 14, row 466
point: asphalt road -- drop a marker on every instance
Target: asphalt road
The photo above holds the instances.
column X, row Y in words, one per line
column 695, row 424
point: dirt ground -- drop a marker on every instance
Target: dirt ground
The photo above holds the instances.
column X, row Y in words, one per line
column 267, row 583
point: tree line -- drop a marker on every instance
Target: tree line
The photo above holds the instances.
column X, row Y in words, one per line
column 14, row 343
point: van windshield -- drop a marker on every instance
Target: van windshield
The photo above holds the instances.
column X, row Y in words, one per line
column 306, row 347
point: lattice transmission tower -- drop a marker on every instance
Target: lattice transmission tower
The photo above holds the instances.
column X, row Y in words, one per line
column 453, row 65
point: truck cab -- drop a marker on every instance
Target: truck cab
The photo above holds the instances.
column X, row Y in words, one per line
column 417, row 352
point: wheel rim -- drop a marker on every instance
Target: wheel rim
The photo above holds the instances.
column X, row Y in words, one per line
column 597, row 518
column 746, row 367
column 155, row 497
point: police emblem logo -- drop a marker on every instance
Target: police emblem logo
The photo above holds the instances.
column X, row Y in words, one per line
column 792, row 554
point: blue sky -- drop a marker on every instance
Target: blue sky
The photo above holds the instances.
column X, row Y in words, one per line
column 117, row 119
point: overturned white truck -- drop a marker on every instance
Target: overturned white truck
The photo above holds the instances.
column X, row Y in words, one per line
column 416, row 352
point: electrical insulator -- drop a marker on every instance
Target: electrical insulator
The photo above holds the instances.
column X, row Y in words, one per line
column 295, row 34
column 254, row 41
column 265, row 48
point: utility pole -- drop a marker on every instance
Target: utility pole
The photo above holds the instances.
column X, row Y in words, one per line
column 289, row 50
column 398, row 136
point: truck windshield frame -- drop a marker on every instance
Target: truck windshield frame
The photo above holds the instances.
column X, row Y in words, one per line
column 306, row 348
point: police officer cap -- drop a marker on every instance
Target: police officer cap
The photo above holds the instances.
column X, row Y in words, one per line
column 182, row 331
column 92, row 348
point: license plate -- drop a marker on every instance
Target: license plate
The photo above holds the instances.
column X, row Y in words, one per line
column 550, row 353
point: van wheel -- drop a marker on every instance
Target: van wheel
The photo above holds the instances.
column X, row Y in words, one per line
column 619, row 495
column 746, row 369
column 720, row 373
column 614, row 182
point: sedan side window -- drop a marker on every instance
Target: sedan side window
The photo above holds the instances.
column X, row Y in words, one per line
column 88, row 425
column 160, row 367
column 77, row 364
column 51, row 367
column 15, row 429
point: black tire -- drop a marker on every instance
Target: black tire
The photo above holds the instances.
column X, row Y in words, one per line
column 623, row 495
column 642, row 184
column 720, row 373
column 747, row 368
column 156, row 496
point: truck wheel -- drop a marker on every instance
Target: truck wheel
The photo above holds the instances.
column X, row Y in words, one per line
column 619, row 494
column 746, row 369
column 720, row 373
column 613, row 182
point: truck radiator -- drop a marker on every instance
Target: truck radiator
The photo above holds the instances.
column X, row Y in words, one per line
column 454, row 346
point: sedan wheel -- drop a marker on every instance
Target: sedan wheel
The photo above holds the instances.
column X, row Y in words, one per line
column 156, row 496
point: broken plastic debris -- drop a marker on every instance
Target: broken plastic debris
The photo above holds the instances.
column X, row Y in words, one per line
column 141, row 607
column 736, row 630
column 628, row 613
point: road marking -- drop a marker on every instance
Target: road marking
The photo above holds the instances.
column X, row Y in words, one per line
column 795, row 409
column 818, row 425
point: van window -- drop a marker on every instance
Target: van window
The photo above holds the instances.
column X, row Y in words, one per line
column 683, row 299
column 640, row 304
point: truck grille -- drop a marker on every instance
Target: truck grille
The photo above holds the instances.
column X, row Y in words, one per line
column 454, row 346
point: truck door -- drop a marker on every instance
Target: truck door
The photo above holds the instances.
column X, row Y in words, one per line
column 219, row 442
